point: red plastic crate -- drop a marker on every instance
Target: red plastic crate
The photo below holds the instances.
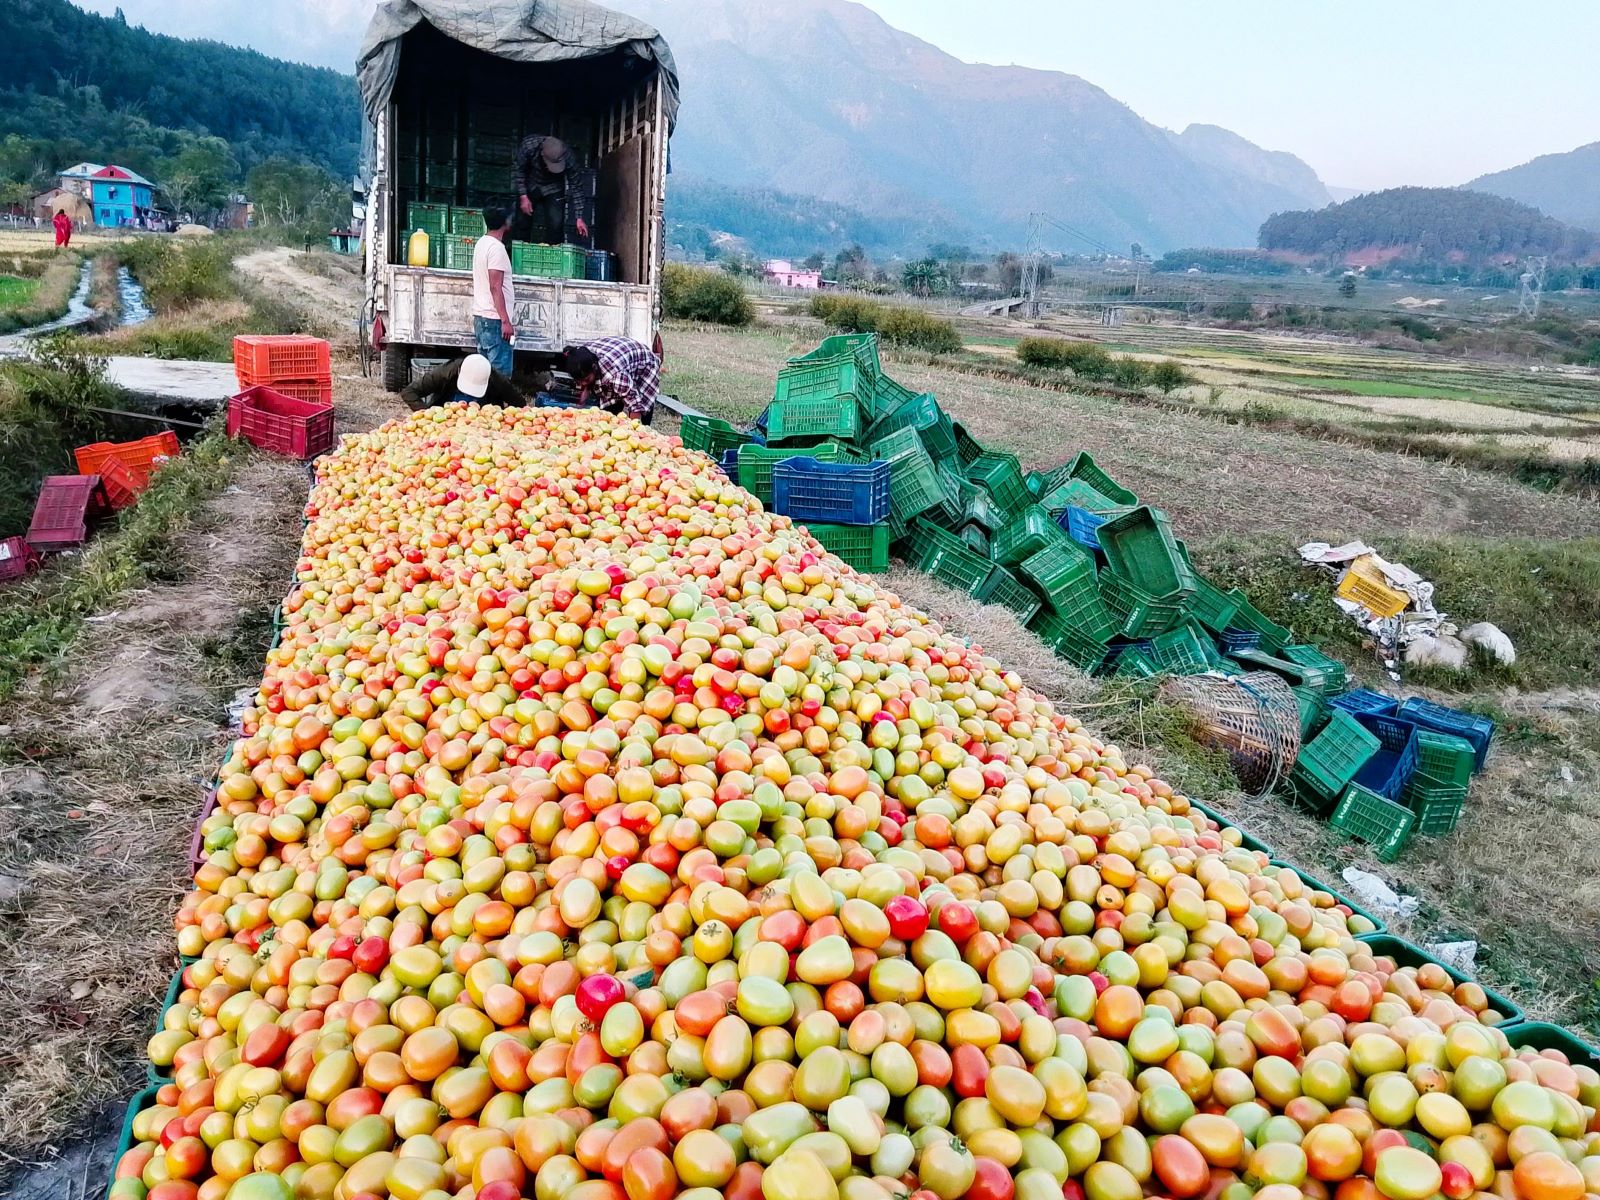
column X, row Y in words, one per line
column 140, row 456
column 121, row 484
column 314, row 391
column 66, row 505
column 263, row 358
column 272, row 421
column 17, row 558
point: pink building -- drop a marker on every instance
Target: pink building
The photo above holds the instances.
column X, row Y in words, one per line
column 782, row 272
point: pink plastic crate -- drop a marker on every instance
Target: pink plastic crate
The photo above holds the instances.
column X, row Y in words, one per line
column 272, row 421
column 66, row 505
column 17, row 558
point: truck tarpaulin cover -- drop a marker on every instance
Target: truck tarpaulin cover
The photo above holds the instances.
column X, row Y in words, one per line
column 530, row 31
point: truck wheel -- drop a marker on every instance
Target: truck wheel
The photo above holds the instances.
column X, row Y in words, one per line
column 396, row 368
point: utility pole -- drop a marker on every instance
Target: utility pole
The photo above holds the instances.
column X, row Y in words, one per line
column 1532, row 287
column 1032, row 258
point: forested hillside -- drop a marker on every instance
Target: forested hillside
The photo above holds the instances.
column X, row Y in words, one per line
column 1427, row 225
column 77, row 86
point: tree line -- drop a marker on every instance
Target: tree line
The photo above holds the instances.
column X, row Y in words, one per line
column 1432, row 225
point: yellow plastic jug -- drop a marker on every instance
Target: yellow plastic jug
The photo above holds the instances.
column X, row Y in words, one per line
column 417, row 248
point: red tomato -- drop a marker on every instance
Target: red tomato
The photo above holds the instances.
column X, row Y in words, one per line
column 990, row 1180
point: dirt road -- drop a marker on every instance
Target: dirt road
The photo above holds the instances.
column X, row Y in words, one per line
column 334, row 298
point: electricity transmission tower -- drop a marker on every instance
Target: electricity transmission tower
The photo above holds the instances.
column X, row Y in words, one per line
column 1532, row 287
column 1032, row 257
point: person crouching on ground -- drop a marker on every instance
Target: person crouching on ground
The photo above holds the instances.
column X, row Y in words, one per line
column 470, row 380
column 620, row 374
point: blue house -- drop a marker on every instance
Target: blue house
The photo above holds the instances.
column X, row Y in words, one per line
column 120, row 197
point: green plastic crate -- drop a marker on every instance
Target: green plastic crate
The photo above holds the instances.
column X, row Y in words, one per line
column 549, row 262
column 1332, row 678
column 1437, row 805
column 1139, row 614
column 1025, row 536
column 1273, row 637
column 1068, row 641
column 1298, row 674
column 1444, row 758
column 467, row 222
column 455, row 253
column 1001, row 475
column 1380, row 821
column 1057, row 568
column 756, row 463
column 1212, row 606
column 923, row 414
column 1005, row 589
column 824, row 379
column 978, row 507
column 1313, row 711
column 1083, row 467
column 432, row 218
column 710, row 435
column 1405, row 954
column 1075, row 493
column 1330, row 760
column 1036, row 482
column 976, row 538
column 861, row 347
column 1134, row 664
column 959, row 567
column 886, row 396
column 923, row 538
column 967, row 447
column 864, row 547
column 914, row 483
column 1139, row 546
column 1181, row 651
column 812, row 418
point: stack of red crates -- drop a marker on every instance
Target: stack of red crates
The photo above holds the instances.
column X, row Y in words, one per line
column 291, row 364
column 125, row 467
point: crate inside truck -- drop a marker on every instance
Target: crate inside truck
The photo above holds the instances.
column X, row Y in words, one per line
column 451, row 88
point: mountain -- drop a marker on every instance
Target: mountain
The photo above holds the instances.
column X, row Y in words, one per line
column 1426, row 225
column 777, row 224
column 1566, row 186
column 95, row 87
column 823, row 98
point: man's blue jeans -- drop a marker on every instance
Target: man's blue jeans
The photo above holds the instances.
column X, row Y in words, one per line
column 492, row 344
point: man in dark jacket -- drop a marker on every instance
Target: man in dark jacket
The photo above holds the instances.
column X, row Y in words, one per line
column 469, row 379
column 543, row 181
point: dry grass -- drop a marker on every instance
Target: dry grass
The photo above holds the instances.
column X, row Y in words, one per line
column 101, row 789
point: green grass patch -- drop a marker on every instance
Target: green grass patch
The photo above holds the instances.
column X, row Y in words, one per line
column 15, row 291
column 1544, row 594
column 41, row 617
column 1377, row 387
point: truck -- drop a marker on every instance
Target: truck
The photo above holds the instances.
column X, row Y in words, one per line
column 450, row 88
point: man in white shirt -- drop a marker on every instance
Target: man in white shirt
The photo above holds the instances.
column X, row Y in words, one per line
column 491, row 292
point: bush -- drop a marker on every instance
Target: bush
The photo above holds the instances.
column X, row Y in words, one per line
column 178, row 272
column 1084, row 359
column 911, row 327
column 1169, row 375
column 1129, row 373
column 899, row 326
column 702, row 294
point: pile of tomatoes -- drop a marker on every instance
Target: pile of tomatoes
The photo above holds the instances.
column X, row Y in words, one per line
column 594, row 835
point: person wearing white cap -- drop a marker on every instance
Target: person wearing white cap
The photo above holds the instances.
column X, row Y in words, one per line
column 470, row 380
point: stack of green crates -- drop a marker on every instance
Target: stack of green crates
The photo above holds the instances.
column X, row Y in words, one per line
column 1437, row 790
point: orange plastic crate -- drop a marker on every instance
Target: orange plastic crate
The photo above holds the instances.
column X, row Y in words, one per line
column 121, row 484
column 141, row 456
column 313, row 391
column 1364, row 584
column 266, row 358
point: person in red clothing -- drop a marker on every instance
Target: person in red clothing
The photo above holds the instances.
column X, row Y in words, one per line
column 63, row 224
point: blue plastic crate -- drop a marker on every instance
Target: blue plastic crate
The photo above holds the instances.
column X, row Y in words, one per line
column 1364, row 702
column 831, row 493
column 1233, row 641
column 1081, row 525
column 1479, row 731
column 1389, row 770
column 729, row 462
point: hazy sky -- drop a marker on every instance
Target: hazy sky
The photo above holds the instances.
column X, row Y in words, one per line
column 1372, row 93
